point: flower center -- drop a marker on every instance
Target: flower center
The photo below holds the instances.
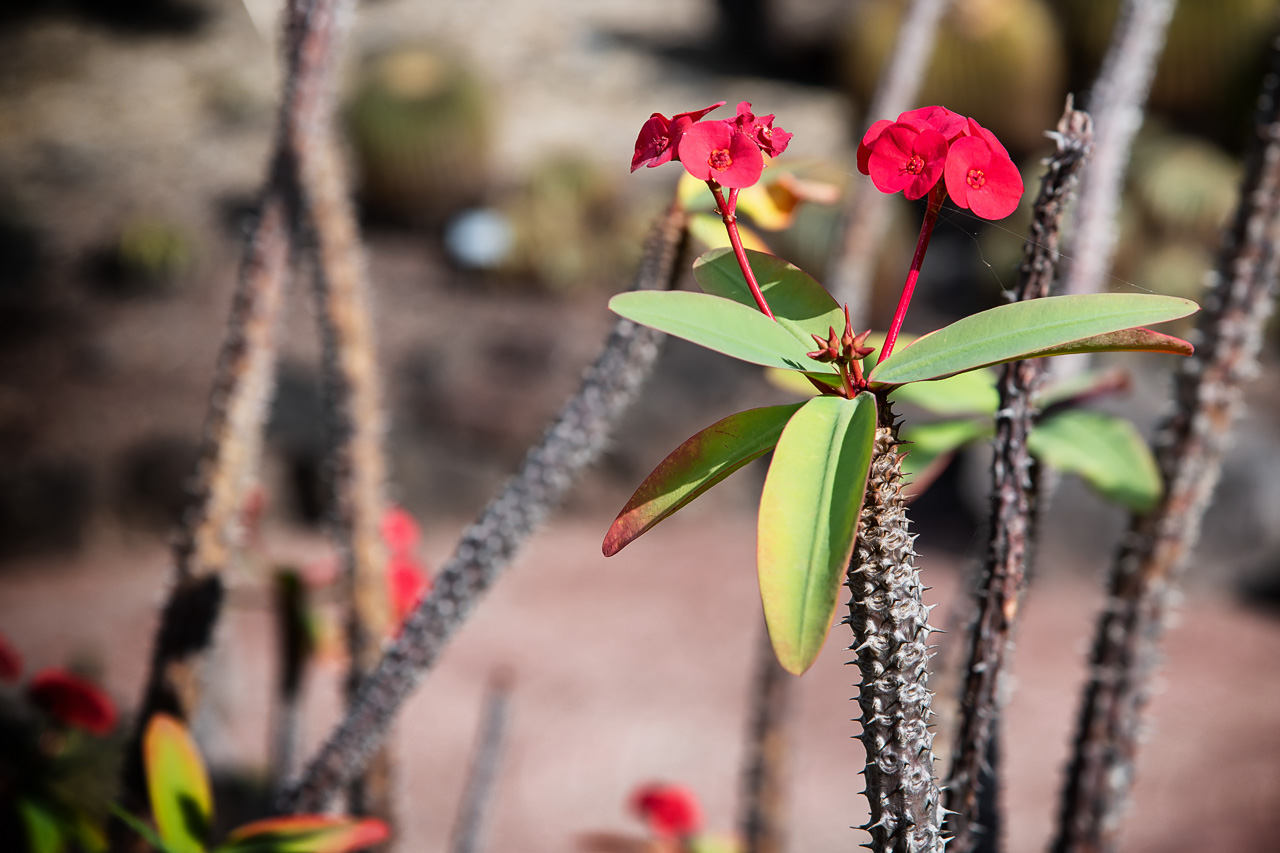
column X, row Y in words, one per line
column 719, row 159
column 915, row 165
column 976, row 178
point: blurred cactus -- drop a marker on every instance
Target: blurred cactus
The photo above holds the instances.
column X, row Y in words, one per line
column 1187, row 187
column 147, row 256
column 1212, row 53
column 569, row 227
column 419, row 124
column 1000, row 61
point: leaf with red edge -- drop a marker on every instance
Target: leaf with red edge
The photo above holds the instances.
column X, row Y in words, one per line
column 306, row 834
column 181, row 799
column 1092, row 322
column 695, row 466
column 1125, row 340
column 808, row 521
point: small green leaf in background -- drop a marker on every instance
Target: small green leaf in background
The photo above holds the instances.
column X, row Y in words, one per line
column 801, row 304
column 695, row 466
column 141, row 827
column 718, row 324
column 970, row 393
column 181, row 801
column 808, row 521
column 41, row 826
column 306, row 834
column 708, row 229
column 930, row 446
column 1053, row 325
column 1106, row 451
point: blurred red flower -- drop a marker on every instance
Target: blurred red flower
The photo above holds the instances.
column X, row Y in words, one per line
column 10, row 661
column 671, row 811
column 73, row 701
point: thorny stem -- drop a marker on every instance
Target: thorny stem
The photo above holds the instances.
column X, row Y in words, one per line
column 936, row 197
column 1190, row 446
column 1116, row 105
column 1014, row 498
column 728, row 214
column 573, row 441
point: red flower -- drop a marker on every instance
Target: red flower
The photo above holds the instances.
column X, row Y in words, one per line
column 409, row 582
column 868, row 140
column 659, row 138
column 10, row 661
column 671, row 811
column 980, row 175
column 399, row 530
column 949, row 124
column 718, row 151
column 771, row 140
column 904, row 157
column 72, row 701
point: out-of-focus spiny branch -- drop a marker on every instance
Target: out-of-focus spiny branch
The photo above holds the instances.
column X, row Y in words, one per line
column 477, row 796
column 572, row 441
column 1190, row 446
column 1013, row 499
column 1116, row 104
column 762, row 810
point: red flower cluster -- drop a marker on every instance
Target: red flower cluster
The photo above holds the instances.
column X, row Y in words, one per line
column 729, row 152
column 924, row 145
column 72, row 701
column 407, row 579
column 671, row 811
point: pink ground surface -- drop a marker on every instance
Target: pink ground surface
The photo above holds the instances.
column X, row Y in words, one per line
column 637, row 669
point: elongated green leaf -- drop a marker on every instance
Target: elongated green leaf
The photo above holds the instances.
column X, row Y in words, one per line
column 970, row 393
column 41, row 827
column 798, row 302
column 695, row 466
column 1106, row 451
column 929, row 445
column 306, row 834
column 716, row 323
column 181, row 801
column 808, row 521
column 1029, row 329
column 141, row 827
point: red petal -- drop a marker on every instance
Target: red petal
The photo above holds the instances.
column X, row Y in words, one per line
column 930, row 146
column 889, row 156
column 976, row 129
column 700, row 142
column 868, row 139
column 951, row 125
column 399, row 530
column 653, row 145
column 1001, row 193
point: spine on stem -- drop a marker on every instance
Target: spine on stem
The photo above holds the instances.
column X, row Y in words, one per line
column 891, row 628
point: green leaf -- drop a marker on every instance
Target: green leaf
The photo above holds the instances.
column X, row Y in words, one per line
column 808, row 521
column 41, row 827
column 798, row 302
column 306, row 834
column 1106, row 451
column 970, row 393
column 181, row 801
column 929, row 444
column 141, row 827
column 1049, row 326
column 716, row 323
column 695, row 466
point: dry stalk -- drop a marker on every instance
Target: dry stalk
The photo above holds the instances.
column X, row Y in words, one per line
column 572, row 442
column 1014, row 495
column 1190, row 444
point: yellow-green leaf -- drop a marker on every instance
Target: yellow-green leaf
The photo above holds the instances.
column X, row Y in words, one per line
column 808, row 519
column 181, row 800
column 306, row 834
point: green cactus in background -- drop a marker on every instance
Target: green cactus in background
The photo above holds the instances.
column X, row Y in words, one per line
column 419, row 125
column 1000, row 59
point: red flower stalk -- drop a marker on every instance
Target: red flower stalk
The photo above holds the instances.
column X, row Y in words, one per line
column 718, row 151
column 72, row 701
column 671, row 811
column 10, row 661
column 660, row 136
